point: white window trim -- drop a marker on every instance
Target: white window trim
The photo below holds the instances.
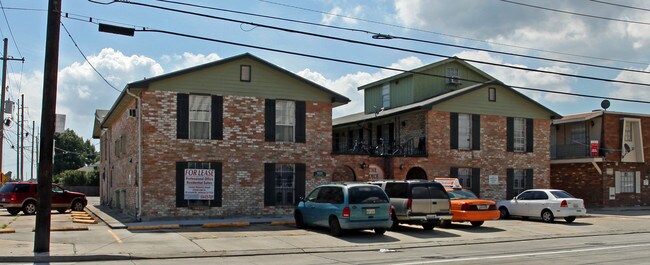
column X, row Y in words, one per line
column 190, row 120
column 637, row 140
column 292, row 125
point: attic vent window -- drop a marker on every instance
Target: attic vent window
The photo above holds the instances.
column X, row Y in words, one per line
column 245, row 73
column 452, row 76
column 492, row 94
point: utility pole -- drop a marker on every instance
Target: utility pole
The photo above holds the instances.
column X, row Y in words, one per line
column 22, row 136
column 48, row 116
column 18, row 143
column 4, row 88
column 31, row 169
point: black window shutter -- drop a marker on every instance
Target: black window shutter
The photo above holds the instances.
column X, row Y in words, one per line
column 453, row 172
column 529, row 135
column 453, row 130
column 510, row 127
column 476, row 132
column 529, row 178
column 510, row 178
column 391, row 133
column 379, row 135
column 269, row 184
column 218, row 184
column 182, row 116
column 301, row 118
column 300, row 179
column 180, row 184
column 217, row 118
column 476, row 181
column 269, row 120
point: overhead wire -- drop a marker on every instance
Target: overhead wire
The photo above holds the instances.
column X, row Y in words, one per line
column 391, row 36
column 454, row 36
column 621, row 5
column 381, row 46
column 576, row 13
column 10, row 31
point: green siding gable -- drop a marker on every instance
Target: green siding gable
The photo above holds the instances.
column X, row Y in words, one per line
column 508, row 103
column 223, row 79
column 426, row 86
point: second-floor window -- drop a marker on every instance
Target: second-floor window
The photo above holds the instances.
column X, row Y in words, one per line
column 200, row 117
column 465, row 131
column 385, row 96
column 285, row 120
column 578, row 134
column 519, row 135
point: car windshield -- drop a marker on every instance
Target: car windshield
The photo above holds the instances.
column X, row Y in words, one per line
column 367, row 194
column 560, row 194
column 461, row 194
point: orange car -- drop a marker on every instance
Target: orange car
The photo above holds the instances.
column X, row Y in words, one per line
column 466, row 207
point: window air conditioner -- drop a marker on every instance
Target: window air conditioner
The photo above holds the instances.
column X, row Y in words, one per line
column 453, row 80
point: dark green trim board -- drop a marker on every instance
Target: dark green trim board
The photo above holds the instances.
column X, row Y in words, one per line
column 510, row 134
column 217, row 118
column 301, row 120
column 269, row 120
column 300, row 181
column 269, row 184
column 510, row 179
column 453, row 130
column 180, row 184
column 476, row 132
column 476, row 181
column 218, row 183
column 530, row 132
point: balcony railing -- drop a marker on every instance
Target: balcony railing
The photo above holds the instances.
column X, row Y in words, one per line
column 411, row 147
column 565, row 151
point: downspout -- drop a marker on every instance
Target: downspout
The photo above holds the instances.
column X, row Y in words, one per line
column 139, row 113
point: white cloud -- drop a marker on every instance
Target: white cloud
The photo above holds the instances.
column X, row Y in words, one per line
column 187, row 60
column 346, row 16
column 632, row 91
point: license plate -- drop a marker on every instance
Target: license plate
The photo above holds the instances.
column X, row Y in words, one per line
column 578, row 210
column 370, row 211
column 482, row 207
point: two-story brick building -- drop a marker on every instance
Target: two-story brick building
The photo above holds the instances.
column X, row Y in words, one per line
column 239, row 136
column 600, row 156
column 446, row 119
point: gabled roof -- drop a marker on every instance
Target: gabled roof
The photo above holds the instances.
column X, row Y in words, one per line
column 425, row 68
column 427, row 104
column 100, row 114
column 136, row 87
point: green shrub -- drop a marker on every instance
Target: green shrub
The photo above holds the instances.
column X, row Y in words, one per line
column 77, row 178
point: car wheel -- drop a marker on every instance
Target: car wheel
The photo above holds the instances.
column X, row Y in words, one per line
column 13, row 211
column 395, row 224
column 335, row 227
column 300, row 222
column 29, row 208
column 504, row 213
column 61, row 210
column 380, row 231
column 445, row 223
column 477, row 223
column 570, row 219
column 547, row 216
column 428, row 226
column 77, row 206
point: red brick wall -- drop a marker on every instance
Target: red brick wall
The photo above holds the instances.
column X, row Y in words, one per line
column 242, row 152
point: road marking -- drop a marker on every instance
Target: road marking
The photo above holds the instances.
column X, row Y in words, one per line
column 524, row 254
column 115, row 236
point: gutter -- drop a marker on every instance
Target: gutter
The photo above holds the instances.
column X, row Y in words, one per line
column 139, row 113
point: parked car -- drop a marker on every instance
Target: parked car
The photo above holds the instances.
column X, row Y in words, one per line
column 545, row 203
column 17, row 196
column 342, row 207
column 419, row 202
column 467, row 207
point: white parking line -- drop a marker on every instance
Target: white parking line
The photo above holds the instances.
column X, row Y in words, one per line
column 524, row 254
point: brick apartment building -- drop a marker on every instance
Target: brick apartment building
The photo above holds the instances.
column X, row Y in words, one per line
column 600, row 156
column 446, row 119
column 235, row 137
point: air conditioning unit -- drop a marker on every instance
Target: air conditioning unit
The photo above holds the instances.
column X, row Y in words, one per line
column 454, row 80
column 133, row 113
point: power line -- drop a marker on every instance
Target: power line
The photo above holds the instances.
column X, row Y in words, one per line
column 382, row 46
column 403, row 38
column 89, row 63
column 577, row 14
column 10, row 31
column 373, row 65
column 620, row 5
column 454, row 36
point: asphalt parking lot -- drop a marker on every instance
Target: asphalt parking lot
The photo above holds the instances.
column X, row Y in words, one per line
column 101, row 242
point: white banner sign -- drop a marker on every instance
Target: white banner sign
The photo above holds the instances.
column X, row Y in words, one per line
column 199, row 184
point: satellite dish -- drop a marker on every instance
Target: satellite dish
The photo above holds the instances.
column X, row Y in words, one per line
column 627, row 148
column 604, row 104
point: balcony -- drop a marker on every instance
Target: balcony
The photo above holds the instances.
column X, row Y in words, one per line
column 570, row 151
column 411, row 147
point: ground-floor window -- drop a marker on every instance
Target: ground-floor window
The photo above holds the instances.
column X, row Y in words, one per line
column 627, row 181
column 518, row 180
column 469, row 178
column 284, row 183
column 198, row 184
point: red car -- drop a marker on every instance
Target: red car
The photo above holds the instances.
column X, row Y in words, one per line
column 17, row 196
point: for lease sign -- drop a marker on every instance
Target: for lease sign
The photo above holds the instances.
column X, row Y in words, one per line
column 199, row 184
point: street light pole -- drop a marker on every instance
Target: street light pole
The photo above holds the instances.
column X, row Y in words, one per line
column 48, row 116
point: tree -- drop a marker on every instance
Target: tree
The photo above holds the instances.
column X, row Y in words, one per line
column 71, row 152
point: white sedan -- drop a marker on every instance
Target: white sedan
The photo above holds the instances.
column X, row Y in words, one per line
column 545, row 203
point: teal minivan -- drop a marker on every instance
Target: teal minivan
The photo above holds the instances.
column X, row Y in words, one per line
column 345, row 206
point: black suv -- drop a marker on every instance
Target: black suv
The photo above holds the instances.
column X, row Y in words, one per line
column 417, row 202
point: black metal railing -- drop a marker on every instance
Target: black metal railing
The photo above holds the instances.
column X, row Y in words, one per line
column 410, row 147
column 564, row 151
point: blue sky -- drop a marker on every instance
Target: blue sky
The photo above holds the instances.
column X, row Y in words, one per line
column 488, row 24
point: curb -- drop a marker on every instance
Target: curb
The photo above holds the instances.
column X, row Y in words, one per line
column 152, row 227
column 67, row 228
column 283, row 223
column 232, row 224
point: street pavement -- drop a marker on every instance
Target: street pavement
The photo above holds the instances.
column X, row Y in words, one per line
column 120, row 237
